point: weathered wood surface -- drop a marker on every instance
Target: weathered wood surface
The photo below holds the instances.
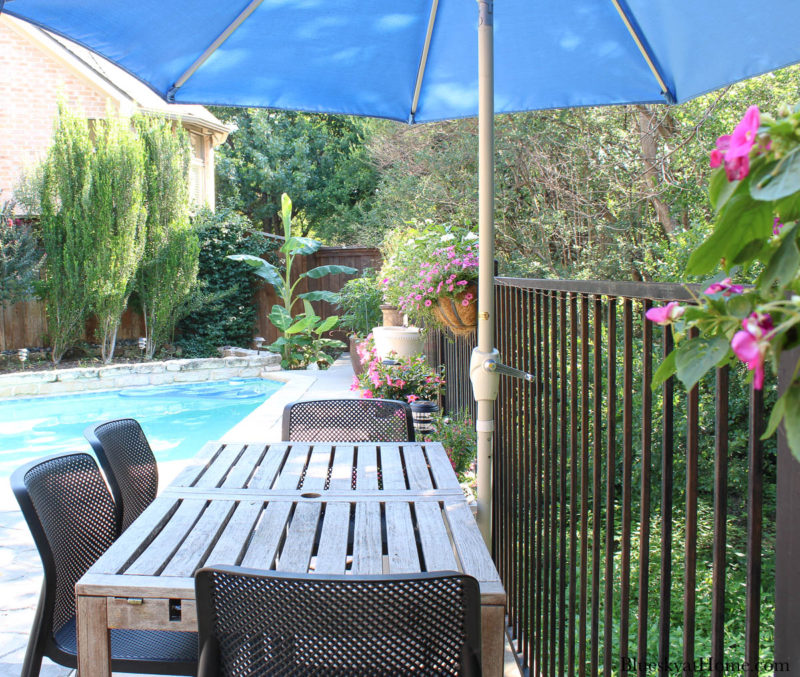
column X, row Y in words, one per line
column 291, row 507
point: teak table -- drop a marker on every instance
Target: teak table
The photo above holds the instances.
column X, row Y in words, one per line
column 296, row 507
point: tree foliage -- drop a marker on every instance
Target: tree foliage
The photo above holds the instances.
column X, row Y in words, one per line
column 66, row 223
column 20, row 257
column 320, row 160
column 168, row 271
column 220, row 311
column 116, row 228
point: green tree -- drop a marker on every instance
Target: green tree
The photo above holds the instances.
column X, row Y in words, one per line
column 220, row 311
column 66, row 230
column 168, row 270
column 20, row 258
column 117, row 213
column 321, row 160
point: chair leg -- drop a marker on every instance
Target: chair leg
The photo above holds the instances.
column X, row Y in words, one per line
column 32, row 665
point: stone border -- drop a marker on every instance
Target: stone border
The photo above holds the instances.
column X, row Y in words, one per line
column 61, row 381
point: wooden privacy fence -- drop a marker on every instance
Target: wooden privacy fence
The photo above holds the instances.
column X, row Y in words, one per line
column 24, row 325
column 634, row 530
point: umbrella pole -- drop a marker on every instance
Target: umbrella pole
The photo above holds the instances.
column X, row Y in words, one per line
column 485, row 382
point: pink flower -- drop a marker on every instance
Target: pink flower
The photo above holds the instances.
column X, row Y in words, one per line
column 465, row 302
column 734, row 149
column 385, row 280
column 751, row 344
column 462, row 282
column 418, row 297
column 449, row 287
column 367, row 394
column 412, row 398
column 469, row 297
column 666, row 314
column 776, row 226
column 428, row 302
column 726, row 287
column 744, row 136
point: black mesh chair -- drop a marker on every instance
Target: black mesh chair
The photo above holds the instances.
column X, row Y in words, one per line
column 128, row 463
column 255, row 623
column 71, row 515
column 348, row 420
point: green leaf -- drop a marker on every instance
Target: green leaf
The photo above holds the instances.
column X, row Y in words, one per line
column 329, row 296
column 720, row 189
column 300, row 246
column 784, row 263
column 322, row 271
column 791, row 420
column 301, row 325
column 665, row 370
column 768, row 187
column 749, row 252
column 697, row 356
column 742, row 221
column 261, row 268
column 327, row 324
column 286, row 215
column 280, row 317
column 778, row 410
column 309, row 309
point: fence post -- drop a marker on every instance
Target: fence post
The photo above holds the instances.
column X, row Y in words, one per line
column 787, row 540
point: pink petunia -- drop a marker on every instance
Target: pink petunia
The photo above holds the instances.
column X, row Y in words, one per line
column 462, row 282
column 469, row 297
column 726, row 287
column 428, row 303
column 465, row 302
column 665, row 314
column 368, row 394
column 449, row 287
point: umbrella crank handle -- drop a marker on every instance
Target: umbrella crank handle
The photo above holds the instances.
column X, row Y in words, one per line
column 493, row 365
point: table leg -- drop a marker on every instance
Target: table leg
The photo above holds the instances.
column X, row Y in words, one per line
column 94, row 647
column 492, row 639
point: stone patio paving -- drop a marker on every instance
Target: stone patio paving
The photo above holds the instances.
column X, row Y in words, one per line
column 20, row 567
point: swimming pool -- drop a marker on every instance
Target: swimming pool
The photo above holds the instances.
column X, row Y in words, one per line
column 177, row 419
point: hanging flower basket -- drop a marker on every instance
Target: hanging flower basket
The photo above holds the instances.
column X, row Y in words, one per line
column 459, row 314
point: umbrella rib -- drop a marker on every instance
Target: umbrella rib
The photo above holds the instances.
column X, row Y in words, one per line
column 213, row 47
column 423, row 60
column 644, row 49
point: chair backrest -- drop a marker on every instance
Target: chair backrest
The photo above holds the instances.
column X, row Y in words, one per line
column 128, row 463
column 348, row 420
column 263, row 623
column 71, row 515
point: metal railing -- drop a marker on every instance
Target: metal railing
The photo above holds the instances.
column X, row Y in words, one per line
column 633, row 529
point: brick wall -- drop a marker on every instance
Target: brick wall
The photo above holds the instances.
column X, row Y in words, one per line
column 31, row 81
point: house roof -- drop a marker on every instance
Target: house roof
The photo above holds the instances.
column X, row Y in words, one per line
column 132, row 94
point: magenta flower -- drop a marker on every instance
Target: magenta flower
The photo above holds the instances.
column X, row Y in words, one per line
column 776, row 226
column 751, row 344
column 462, row 282
column 468, row 297
column 412, row 398
column 367, row 394
column 665, row 314
column 465, row 302
column 428, row 302
column 734, row 149
column 726, row 287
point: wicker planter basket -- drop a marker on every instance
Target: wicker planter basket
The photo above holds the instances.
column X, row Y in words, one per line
column 454, row 315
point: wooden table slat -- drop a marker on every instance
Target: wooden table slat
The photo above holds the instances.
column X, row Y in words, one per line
column 441, row 467
column 244, row 467
column 296, row 553
column 136, row 537
column 437, row 550
column 472, row 552
column 367, row 549
column 317, row 472
column 189, row 474
column 267, row 537
column 230, row 544
column 325, row 496
column 419, row 476
column 332, row 554
column 293, row 469
column 169, row 538
column 392, row 467
column 342, row 468
column 400, row 541
column 267, row 470
column 220, row 466
column 192, row 553
column 367, row 473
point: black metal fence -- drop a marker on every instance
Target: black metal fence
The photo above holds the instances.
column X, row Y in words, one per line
column 634, row 529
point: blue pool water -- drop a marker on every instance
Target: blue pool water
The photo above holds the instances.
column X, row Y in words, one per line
column 177, row 419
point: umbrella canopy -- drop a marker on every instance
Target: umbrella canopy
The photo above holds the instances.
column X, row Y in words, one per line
column 417, row 61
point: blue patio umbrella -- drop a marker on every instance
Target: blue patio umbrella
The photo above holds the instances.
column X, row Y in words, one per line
column 424, row 60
